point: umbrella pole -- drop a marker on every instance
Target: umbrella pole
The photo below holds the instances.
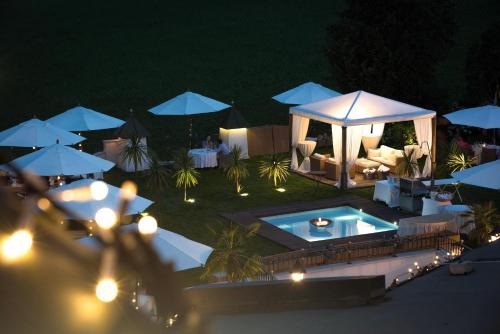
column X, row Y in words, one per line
column 190, row 132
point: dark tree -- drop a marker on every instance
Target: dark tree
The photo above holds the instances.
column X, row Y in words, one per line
column 391, row 47
column 483, row 68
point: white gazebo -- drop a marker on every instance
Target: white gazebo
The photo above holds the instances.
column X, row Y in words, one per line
column 351, row 115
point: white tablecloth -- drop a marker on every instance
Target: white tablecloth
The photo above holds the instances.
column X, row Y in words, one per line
column 432, row 207
column 306, row 147
column 457, row 212
column 387, row 193
column 204, row 158
column 426, row 224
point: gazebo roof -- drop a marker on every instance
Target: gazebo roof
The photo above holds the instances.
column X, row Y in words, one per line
column 234, row 120
column 132, row 128
column 360, row 108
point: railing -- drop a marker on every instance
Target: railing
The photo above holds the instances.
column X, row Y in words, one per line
column 347, row 252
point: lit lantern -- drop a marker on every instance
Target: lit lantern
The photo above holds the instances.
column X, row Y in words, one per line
column 234, row 132
column 297, row 272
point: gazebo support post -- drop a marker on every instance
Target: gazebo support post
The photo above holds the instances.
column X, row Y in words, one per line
column 290, row 129
column 343, row 169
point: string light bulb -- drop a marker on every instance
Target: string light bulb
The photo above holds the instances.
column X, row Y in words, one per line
column 105, row 218
column 128, row 190
column 17, row 245
column 99, row 190
column 148, row 225
column 106, row 290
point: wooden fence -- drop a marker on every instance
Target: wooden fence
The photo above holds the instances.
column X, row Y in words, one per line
column 347, row 252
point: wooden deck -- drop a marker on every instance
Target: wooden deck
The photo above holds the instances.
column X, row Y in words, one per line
column 358, row 178
column 294, row 242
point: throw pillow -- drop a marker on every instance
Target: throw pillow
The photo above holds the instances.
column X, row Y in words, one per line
column 372, row 153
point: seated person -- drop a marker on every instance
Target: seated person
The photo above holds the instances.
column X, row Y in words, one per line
column 222, row 149
column 207, row 143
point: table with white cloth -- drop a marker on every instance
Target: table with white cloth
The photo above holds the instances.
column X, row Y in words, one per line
column 431, row 206
column 386, row 192
column 306, row 148
column 426, row 224
column 204, row 158
column 458, row 211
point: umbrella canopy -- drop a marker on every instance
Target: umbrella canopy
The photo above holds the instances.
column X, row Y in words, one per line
column 234, row 120
column 486, row 117
column 88, row 209
column 132, row 128
column 84, row 119
column 485, row 175
column 61, row 160
column 171, row 247
column 308, row 92
column 37, row 133
column 188, row 103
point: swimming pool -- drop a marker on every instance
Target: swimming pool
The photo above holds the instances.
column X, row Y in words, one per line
column 346, row 221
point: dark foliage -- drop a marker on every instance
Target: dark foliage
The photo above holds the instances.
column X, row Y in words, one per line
column 392, row 47
column 483, row 68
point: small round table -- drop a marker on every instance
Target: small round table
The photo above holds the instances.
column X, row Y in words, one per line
column 204, row 158
column 306, row 148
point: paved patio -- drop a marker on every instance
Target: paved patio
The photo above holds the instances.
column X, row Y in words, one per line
column 434, row 303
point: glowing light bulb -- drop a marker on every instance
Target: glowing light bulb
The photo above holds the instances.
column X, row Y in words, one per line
column 99, row 190
column 410, row 270
column 106, row 290
column 191, row 200
column 281, row 190
column 244, row 194
column 17, row 245
column 148, row 225
column 105, row 218
column 128, row 190
column 297, row 277
column 415, row 264
column 43, row 204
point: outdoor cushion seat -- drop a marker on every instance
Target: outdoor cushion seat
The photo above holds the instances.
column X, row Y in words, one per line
column 387, row 156
column 363, row 163
column 318, row 162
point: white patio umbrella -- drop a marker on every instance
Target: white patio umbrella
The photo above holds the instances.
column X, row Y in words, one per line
column 183, row 252
column 485, row 117
column 84, row 119
column 61, row 160
column 308, row 92
column 88, row 209
column 188, row 104
column 37, row 133
column 486, row 175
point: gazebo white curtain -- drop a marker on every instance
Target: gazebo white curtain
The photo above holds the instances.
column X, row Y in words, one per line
column 372, row 133
column 299, row 131
column 353, row 143
column 423, row 131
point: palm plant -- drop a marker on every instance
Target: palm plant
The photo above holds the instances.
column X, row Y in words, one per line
column 275, row 168
column 185, row 174
column 156, row 175
column 485, row 219
column 457, row 160
column 230, row 254
column 237, row 169
column 408, row 166
column 134, row 152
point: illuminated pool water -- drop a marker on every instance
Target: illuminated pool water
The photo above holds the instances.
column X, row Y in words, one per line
column 346, row 222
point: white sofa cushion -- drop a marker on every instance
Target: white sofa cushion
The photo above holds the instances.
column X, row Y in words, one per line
column 372, row 153
column 385, row 151
column 384, row 161
column 319, row 156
